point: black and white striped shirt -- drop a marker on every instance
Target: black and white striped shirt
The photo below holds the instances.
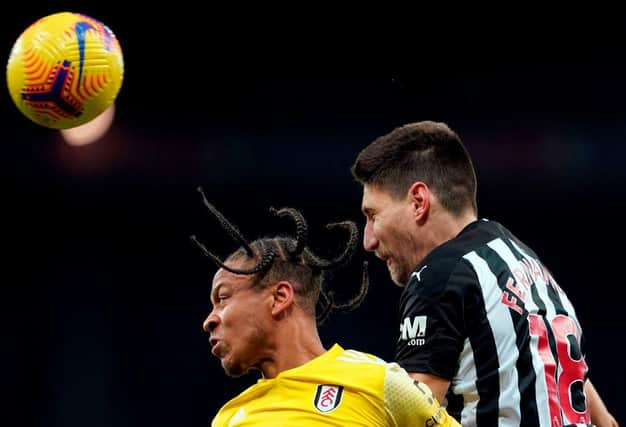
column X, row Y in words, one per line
column 482, row 311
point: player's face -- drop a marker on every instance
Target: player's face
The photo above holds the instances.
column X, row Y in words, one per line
column 237, row 324
column 389, row 232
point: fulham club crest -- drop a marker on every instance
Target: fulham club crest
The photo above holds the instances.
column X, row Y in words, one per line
column 327, row 397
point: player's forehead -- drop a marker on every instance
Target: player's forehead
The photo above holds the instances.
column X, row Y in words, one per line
column 374, row 197
column 226, row 278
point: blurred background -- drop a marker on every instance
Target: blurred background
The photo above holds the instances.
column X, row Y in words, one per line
column 103, row 295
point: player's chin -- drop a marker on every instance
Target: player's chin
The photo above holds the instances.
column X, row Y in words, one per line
column 398, row 278
column 232, row 368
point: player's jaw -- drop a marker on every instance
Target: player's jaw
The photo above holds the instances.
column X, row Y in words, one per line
column 397, row 270
column 241, row 350
column 229, row 359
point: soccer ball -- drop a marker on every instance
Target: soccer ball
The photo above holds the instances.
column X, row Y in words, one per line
column 64, row 70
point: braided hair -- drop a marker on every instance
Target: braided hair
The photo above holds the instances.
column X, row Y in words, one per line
column 290, row 258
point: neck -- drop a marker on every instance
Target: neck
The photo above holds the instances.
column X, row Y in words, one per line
column 444, row 226
column 296, row 343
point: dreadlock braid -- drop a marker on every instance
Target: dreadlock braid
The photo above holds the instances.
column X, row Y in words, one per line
column 226, row 225
column 326, row 305
column 267, row 256
column 347, row 254
column 358, row 298
column 302, row 229
column 287, row 258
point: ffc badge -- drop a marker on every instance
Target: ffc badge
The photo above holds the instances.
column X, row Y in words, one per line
column 327, row 397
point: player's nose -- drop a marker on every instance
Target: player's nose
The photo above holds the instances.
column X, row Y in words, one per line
column 370, row 242
column 211, row 322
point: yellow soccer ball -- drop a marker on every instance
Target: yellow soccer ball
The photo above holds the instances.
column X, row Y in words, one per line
column 64, row 70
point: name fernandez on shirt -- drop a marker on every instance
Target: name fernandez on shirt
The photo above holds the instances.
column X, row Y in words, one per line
column 525, row 275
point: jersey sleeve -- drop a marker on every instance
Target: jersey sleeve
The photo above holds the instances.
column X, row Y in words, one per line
column 411, row 403
column 433, row 316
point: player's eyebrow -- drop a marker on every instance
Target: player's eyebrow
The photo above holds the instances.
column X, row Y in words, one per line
column 215, row 290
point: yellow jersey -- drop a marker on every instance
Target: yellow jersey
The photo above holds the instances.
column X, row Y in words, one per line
column 340, row 388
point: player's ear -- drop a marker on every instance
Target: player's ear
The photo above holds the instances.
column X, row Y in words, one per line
column 419, row 195
column 283, row 298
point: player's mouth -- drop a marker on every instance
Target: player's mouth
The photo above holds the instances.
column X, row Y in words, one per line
column 214, row 346
column 381, row 256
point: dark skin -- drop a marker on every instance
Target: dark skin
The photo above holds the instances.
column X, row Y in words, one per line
column 265, row 329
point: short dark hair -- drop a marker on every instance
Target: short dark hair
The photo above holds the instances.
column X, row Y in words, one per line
column 276, row 258
column 423, row 151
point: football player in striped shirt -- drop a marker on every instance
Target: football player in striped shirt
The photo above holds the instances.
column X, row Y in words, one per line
column 482, row 320
column 264, row 299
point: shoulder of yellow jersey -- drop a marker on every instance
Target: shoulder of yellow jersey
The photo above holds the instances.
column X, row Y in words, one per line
column 337, row 385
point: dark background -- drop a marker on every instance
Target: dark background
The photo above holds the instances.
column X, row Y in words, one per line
column 103, row 296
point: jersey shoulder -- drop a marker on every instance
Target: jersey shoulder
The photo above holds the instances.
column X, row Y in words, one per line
column 446, row 262
column 357, row 370
column 353, row 368
column 234, row 410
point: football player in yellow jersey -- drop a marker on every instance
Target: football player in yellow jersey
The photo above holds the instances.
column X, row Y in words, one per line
column 264, row 299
